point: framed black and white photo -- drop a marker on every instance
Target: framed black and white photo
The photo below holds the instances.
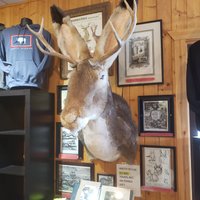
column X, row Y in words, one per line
column 156, row 115
column 115, row 193
column 86, row 190
column 61, row 96
column 68, row 174
column 158, row 169
column 89, row 21
column 141, row 59
column 106, row 179
column 68, row 145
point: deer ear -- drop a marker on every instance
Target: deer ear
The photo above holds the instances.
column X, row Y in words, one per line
column 69, row 40
column 116, row 32
column 71, row 43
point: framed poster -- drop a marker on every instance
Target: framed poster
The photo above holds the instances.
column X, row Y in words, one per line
column 158, row 169
column 68, row 174
column 156, row 115
column 68, row 145
column 141, row 59
column 106, row 179
column 61, row 96
column 89, row 21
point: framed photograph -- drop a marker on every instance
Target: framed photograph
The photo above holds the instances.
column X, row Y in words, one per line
column 69, row 174
column 158, row 169
column 86, row 190
column 61, row 96
column 107, row 179
column 141, row 59
column 68, row 145
column 89, row 21
column 156, row 115
column 115, row 193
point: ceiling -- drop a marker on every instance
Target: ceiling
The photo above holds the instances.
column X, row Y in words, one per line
column 6, row 2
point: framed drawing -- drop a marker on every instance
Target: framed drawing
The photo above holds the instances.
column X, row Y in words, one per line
column 158, row 169
column 106, row 179
column 68, row 174
column 68, row 145
column 141, row 59
column 156, row 115
column 61, row 96
column 89, row 21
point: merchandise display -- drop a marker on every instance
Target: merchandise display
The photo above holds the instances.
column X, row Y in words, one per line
column 21, row 61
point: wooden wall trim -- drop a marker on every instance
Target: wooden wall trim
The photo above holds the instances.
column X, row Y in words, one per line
column 185, row 34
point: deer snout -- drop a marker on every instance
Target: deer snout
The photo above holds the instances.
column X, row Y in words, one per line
column 68, row 120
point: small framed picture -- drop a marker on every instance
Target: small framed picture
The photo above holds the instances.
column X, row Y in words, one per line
column 61, row 96
column 68, row 145
column 86, row 190
column 106, row 179
column 158, row 169
column 115, row 193
column 156, row 115
column 68, row 174
column 141, row 59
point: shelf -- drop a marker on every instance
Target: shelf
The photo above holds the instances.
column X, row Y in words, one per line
column 13, row 170
column 12, row 132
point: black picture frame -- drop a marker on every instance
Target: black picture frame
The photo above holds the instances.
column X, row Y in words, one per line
column 158, row 168
column 68, row 146
column 61, row 96
column 70, row 173
column 140, row 61
column 106, row 179
column 83, row 19
column 156, row 115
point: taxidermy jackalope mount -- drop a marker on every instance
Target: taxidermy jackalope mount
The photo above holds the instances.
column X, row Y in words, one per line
column 101, row 119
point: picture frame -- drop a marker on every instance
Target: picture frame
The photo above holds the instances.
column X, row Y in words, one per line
column 86, row 190
column 106, row 179
column 70, row 173
column 156, row 115
column 109, row 192
column 68, row 145
column 158, row 168
column 87, row 19
column 61, row 96
column 140, row 61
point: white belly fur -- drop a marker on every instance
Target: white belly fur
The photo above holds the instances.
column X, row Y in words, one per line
column 98, row 141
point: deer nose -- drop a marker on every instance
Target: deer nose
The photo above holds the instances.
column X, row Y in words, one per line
column 68, row 118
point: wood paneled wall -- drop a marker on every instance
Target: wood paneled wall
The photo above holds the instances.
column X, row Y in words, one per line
column 181, row 22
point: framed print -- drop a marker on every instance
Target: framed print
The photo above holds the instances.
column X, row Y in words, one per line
column 158, row 169
column 106, row 179
column 69, row 174
column 156, row 115
column 68, row 145
column 141, row 59
column 89, row 21
column 115, row 193
column 61, row 96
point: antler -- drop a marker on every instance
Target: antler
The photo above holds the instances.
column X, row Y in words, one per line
column 51, row 51
column 116, row 32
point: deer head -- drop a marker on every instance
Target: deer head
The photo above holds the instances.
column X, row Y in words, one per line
column 91, row 110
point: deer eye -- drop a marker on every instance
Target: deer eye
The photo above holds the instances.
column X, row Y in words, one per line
column 102, row 76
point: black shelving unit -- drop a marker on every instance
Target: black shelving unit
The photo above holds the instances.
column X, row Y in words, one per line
column 26, row 144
